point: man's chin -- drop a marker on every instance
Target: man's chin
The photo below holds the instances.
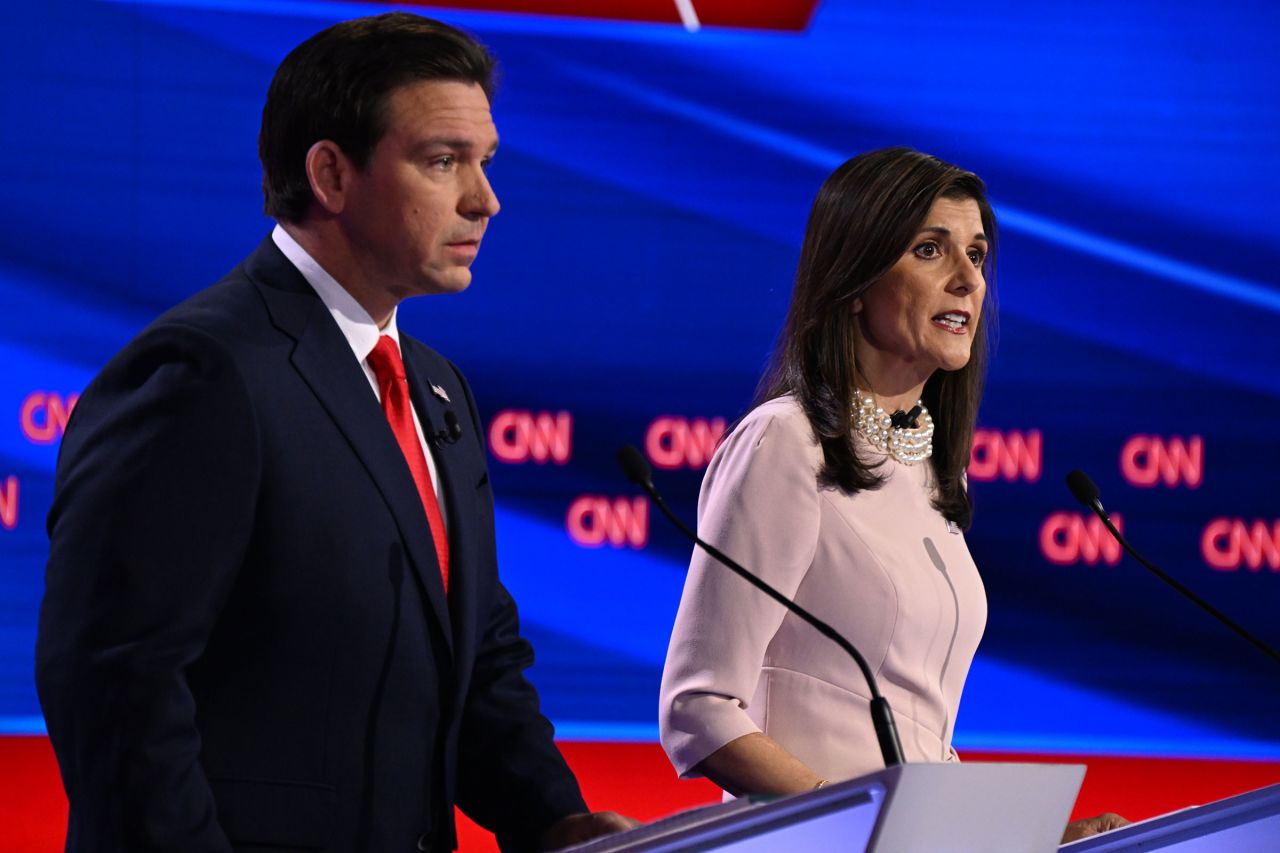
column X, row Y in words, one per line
column 455, row 281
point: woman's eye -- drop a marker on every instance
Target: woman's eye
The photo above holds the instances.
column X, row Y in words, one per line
column 977, row 257
column 927, row 250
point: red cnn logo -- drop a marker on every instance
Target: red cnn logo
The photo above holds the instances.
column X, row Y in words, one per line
column 520, row 436
column 674, row 442
column 9, row 504
column 44, row 415
column 1145, row 460
column 594, row 520
column 1010, row 455
column 1067, row 538
column 1228, row 543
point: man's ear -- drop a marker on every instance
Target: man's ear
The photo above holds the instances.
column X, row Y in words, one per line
column 329, row 171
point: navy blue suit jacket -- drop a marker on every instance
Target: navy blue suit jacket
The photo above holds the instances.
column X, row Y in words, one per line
column 244, row 641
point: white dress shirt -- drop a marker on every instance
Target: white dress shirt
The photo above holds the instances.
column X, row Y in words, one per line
column 360, row 331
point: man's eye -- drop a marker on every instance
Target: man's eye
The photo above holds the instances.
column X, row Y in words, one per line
column 927, row 250
column 445, row 162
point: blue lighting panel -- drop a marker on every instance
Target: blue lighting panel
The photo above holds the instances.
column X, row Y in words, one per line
column 655, row 184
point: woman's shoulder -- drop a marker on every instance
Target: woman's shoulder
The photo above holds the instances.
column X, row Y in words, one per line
column 780, row 423
column 771, row 451
column 779, row 414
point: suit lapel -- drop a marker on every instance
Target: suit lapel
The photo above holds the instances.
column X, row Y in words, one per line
column 323, row 358
column 458, row 476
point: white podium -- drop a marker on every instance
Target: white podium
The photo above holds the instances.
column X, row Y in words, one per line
column 912, row 808
column 950, row 808
column 1245, row 823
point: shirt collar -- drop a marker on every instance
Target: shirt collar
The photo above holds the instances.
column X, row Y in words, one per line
column 357, row 326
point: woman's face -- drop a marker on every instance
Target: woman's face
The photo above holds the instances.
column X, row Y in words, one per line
column 923, row 314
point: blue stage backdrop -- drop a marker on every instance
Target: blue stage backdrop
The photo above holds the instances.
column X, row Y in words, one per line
column 655, row 181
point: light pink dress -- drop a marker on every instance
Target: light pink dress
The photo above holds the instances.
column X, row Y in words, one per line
column 882, row 567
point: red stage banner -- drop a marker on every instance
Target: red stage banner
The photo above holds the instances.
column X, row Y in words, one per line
column 792, row 15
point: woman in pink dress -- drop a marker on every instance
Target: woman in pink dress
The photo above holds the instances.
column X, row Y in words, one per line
column 844, row 487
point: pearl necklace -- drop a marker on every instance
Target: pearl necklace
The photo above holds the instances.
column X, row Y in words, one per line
column 906, row 445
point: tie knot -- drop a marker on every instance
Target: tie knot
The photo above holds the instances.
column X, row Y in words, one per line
column 385, row 360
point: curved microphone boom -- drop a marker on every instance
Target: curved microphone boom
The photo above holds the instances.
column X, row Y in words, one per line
column 1088, row 495
column 637, row 470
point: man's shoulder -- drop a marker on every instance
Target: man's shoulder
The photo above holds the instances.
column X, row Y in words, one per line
column 226, row 323
column 221, row 310
column 237, row 303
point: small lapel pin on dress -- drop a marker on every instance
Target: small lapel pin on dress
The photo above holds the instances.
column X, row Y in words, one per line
column 440, row 392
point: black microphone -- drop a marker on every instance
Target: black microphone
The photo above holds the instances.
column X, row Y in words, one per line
column 637, row 470
column 1087, row 494
column 905, row 420
column 1083, row 489
column 452, row 429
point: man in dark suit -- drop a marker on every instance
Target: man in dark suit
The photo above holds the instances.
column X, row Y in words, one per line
column 272, row 616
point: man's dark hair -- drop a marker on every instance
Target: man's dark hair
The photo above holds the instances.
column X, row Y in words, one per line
column 335, row 86
column 864, row 219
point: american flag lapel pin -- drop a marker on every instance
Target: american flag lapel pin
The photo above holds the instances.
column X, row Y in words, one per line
column 440, row 392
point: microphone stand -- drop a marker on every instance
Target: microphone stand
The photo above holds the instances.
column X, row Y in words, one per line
column 637, row 471
column 1084, row 491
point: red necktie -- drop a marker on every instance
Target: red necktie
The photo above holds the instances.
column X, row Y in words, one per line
column 388, row 367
